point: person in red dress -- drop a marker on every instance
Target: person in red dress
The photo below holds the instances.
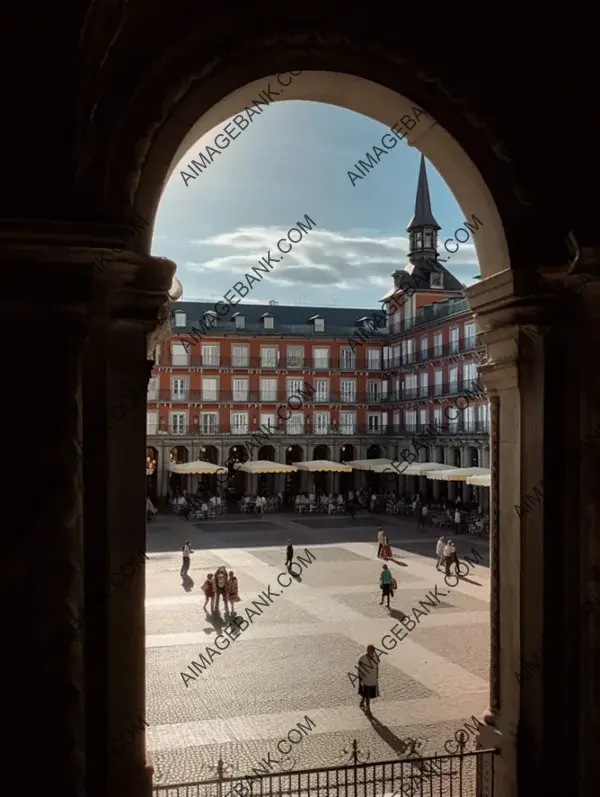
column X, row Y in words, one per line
column 386, row 551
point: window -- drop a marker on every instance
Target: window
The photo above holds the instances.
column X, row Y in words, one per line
column 240, row 321
column 373, row 391
column 319, row 324
column 397, row 355
column 424, row 386
column 454, row 336
column 410, row 420
column 438, row 348
column 347, row 359
column 411, row 350
column 483, row 411
column 410, row 386
column 409, row 312
column 321, row 358
column 179, row 355
column 348, row 391
column 436, row 280
column 269, row 322
column 210, row 355
column 240, row 389
column 384, row 422
column 178, row 422
column 295, row 423
column 470, row 335
column 293, row 387
column 469, row 418
column 179, row 389
column 423, row 420
column 209, row 422
column 180, row 319
column 240, row 355
column 397, row 389
column 469, row 375
column 374, row 359
column 239, row 423
column 396, row 422
column 321, row 390
column 453, row 422
column 347, row 422
column 153, row 388
column 151, row 422
column 295, row 356
column 268, row 389
column 453, row 378
column 268, row 422
column 387, row 356
column 437, row 417
column 269, row 356
column 210, row 388
column 321, row 422
column 374, row 422
column 424, row 347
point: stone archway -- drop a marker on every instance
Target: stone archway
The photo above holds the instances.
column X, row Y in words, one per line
column 348, row 453
column 178, row 482
column 268, row 483
column 208, row 484
column 198, row 113
column 322, row 482
column 237, row 482
column 293, row 481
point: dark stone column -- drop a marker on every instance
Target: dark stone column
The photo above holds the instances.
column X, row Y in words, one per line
column 116, row 374
column 524, row 324
column 44, row 323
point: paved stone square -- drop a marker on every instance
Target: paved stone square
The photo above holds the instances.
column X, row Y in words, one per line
column 293, row 660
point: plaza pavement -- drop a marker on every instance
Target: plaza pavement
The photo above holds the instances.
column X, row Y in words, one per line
column 294, row 659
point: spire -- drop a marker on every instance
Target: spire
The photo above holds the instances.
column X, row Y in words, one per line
column 423, row 217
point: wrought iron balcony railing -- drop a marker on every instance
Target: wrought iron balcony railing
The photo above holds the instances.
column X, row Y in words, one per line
column 445, row 390
column 478, row 428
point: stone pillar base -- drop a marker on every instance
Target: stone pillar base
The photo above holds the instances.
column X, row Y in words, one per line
column 504, row 764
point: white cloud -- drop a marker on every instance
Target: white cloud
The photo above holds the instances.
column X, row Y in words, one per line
column 346, row 261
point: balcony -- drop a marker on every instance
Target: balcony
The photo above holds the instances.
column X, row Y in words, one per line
column 430, row 315
column 211, row 363
column 463, row 346
column 256, row 397
column 462, row 429
column 473, row 388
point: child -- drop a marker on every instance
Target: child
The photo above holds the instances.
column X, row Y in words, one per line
column 232, row 590
column 209, row 592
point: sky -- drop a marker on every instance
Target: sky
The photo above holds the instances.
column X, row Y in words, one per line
column 292, row 161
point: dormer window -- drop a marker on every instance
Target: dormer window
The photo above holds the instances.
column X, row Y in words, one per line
column 436, row 280
column 318, row 323
column 268, row 321
column 240, row 321
column 180, row 319
column 210, row 319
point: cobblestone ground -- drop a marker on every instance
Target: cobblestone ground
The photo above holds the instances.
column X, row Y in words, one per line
column 293, row 660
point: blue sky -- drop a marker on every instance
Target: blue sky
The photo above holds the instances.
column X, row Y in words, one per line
column 291, row 161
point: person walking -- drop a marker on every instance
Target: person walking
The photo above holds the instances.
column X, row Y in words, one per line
column 386, row 550
column 289, row 554
column 457, row 520
column 187, row 552
column 385, row 583
column 380, row 540
column 451, row 556
column 368, row 678
column 439, row 552
column 422, row 517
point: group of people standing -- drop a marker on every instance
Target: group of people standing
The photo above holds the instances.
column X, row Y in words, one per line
column 221, row 585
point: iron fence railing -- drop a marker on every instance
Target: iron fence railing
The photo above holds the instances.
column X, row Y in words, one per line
column 384, row 362
column 465, row 774
column 262, row 433
column 308, row 394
